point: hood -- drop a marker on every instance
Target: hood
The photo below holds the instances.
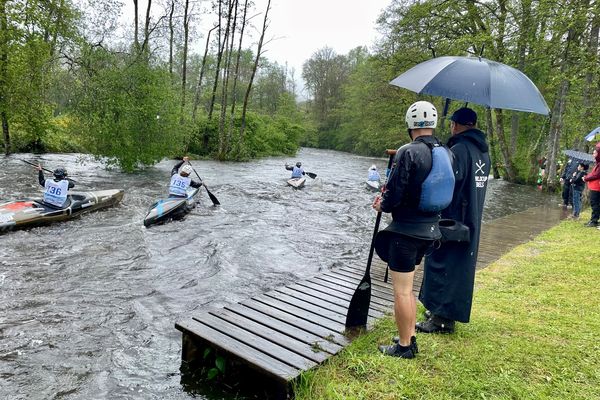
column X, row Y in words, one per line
column 475, row 136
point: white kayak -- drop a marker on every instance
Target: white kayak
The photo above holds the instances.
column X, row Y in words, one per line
column 373, row 185
column 296, row 183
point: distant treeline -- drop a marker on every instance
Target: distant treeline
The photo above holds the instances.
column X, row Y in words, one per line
column 555, row 43
column 70, row 83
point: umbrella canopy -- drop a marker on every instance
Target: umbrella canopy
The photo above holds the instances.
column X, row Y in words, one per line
column 593, row 134
column 579, row 155
column 474, row 80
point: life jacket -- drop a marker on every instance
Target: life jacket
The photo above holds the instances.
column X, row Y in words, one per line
column 179, row 185
column 373, row 175
column 56, row 192
column 438, row 188
column 297, row 172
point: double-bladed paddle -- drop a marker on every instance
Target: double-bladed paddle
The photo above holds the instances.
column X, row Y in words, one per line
column 45, row 169
column 310, row 174
column 358, row 308
column 213, row 198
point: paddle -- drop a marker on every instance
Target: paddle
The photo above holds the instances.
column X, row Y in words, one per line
column 361, row 299
column 45, row 169
column 313, row 176
column 213, row 198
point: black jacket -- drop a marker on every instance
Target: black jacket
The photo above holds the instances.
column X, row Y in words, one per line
column 577, row 180
column 412, row 165
column 42, row 180
column 449, row 273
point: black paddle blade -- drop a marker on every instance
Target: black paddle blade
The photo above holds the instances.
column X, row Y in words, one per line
column 213, row 198
column 311, row 174
column 358, row 309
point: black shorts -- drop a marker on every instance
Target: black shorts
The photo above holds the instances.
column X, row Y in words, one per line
column 406, row 252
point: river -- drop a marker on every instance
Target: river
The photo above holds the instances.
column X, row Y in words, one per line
column 87, row 307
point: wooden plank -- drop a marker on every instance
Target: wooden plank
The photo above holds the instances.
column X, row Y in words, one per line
column 340, row 299
column 243, row 336
column 276, row 369
column 321, row 301
column 334, row 315
column 332, row 287
column 328, row 334
column 301, row 313
column 376, row 282
column 285, row 328
column 313, row 353
column 353, row 283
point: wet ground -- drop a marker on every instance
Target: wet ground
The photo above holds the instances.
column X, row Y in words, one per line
column 87, row 307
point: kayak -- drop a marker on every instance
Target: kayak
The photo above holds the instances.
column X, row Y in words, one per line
column 373, row 185
column 171, row 208
column 29, row 213
column 296, row 183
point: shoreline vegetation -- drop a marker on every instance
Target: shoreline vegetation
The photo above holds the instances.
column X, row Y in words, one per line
column 533, row 335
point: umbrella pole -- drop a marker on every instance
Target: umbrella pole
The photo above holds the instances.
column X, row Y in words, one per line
column 444, row 114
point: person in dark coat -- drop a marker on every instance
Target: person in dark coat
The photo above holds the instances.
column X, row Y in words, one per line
column 577, row 186
column 565, row 180
column 449, row 272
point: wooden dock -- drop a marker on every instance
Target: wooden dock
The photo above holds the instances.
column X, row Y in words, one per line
column 294, row 328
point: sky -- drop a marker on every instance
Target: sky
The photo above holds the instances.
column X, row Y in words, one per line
column 301, row 27
column 298, row 28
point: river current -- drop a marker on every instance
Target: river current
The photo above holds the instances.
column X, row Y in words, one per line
column 88, row 306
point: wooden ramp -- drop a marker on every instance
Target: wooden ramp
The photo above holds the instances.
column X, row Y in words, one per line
column 294, row 328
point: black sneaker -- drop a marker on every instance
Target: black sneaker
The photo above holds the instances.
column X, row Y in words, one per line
column 413, row 343
column 591, row 224
column 430, row 326
column 395, row 350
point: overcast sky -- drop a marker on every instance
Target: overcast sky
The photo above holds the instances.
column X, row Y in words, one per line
column 298, row 28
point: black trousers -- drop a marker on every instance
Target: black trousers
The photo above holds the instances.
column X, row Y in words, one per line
column 595, row 203
column 567, row 194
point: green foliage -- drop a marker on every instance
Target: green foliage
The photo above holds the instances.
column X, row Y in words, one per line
column 128, row 112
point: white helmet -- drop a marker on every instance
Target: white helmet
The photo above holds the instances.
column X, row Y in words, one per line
column 421, row 114
column 373, row 167
column 186, row 169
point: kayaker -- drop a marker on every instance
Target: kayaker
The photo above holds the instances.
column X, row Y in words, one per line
column 297, row 170
column 180, row 179
column 373, row 174
column 57, row 188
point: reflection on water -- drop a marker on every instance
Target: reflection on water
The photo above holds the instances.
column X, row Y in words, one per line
column 87, row 307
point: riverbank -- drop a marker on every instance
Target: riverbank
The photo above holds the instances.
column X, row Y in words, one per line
column 533, row 335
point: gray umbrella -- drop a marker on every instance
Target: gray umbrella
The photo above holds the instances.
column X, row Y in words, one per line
column 579, row 155
column 474, row 80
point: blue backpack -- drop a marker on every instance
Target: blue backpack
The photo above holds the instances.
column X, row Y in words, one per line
column 437, row 189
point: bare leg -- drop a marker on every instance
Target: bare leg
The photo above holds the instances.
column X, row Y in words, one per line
column 405, row 305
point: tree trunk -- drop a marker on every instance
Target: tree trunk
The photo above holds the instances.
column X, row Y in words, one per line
column 524, row 35
column 146, row 44
column 211, row 106
column 511, row 175
column 256, row 60
column 591, row 71
column 186, row 30
column 171, row 38
column 490, row 127
column 4, row 75
column 136, row 42
column 223, row 134
column 198, row 86
column 237, row 68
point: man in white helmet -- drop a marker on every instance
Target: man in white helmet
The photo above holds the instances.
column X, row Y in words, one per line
column 180, row 179
column 373, row 174
column 414, row 228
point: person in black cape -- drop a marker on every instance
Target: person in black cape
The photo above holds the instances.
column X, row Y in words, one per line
column 449, row 272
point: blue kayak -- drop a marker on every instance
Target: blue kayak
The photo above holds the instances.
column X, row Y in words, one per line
column 171, row 208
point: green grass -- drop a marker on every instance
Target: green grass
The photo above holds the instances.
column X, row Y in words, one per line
column 534, row 334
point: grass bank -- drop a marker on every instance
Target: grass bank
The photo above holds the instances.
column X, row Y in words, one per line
column 534, row 334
